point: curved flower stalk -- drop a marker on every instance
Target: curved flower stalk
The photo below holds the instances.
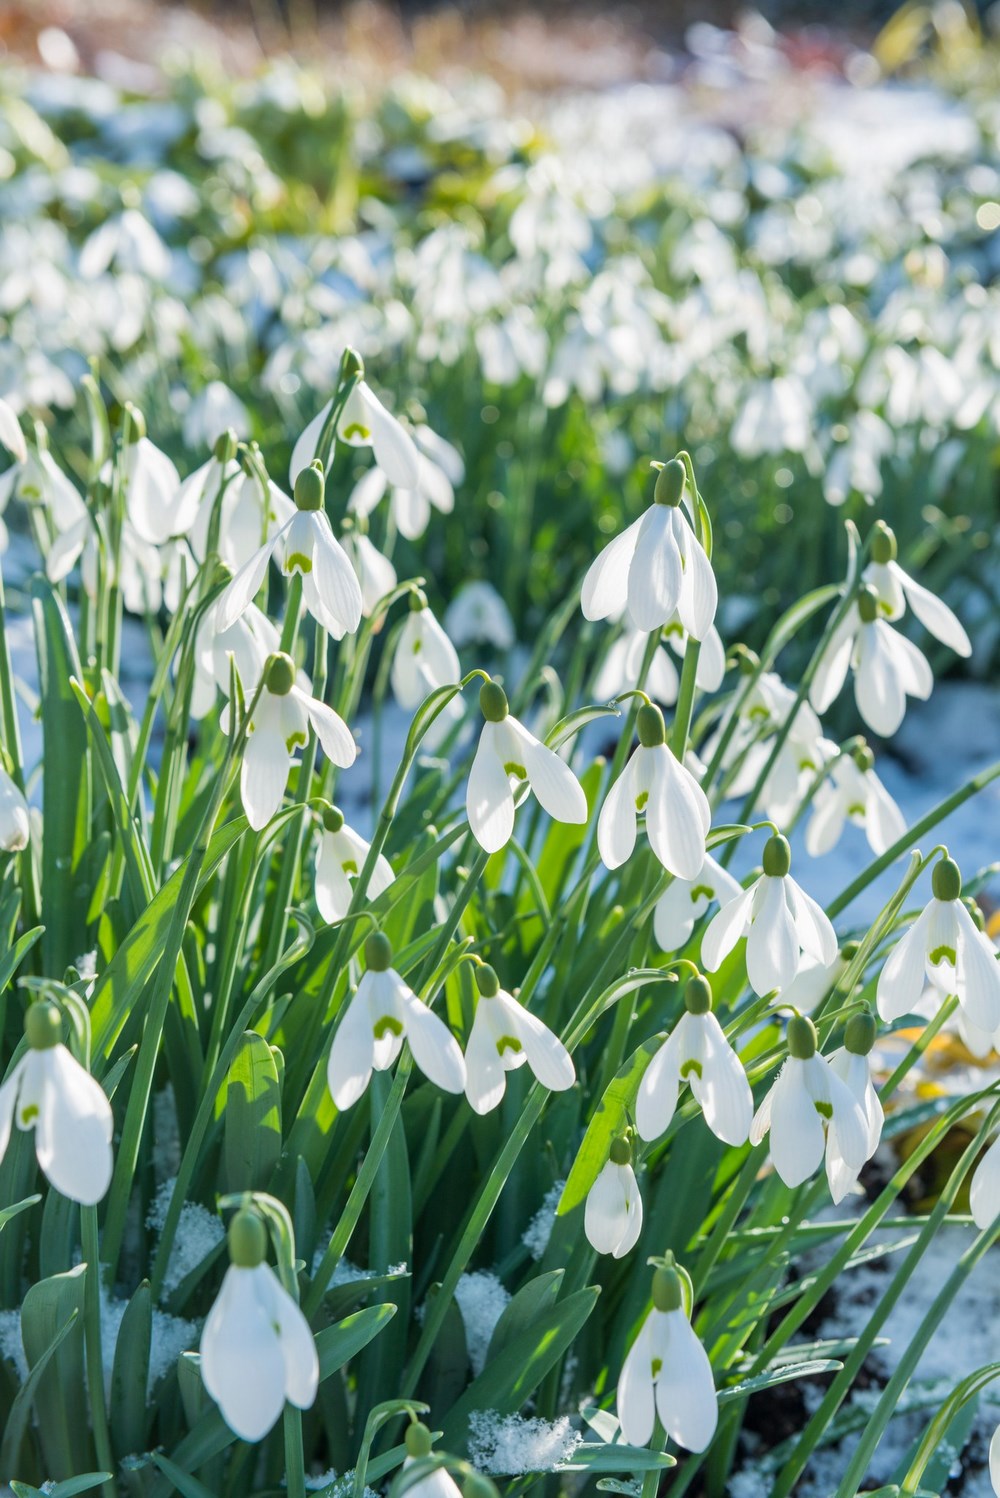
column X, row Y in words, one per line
column 944, row 943
column 782, row 924
column 363, row 422
column 382, row 1013
column 340, row 856
column 505, row 1036
column 852, row 793
column 667, row 1373
column 655, row 569
column 852, row 1065
column 895, row 589
column 612, row 1218
column 676, row 808
column 50, row 1092
column 280, row 725
column 330, row 588
column 887, row 667
column 808, row 1110
column 697, row 1052
column 256, row 1347
column 507, row 756
column 622, row 666
column 685, row 901
column 15, row 819
column 424, row 660
column 439, row 468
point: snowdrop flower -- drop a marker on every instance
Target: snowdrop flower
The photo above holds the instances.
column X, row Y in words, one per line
column 699, row 1053
column 38, row 479
column 375, row 572
column 425, row 660
column 656, row 568
column 382, row 1013
column 215, row 409
column 780, row 921
column 809, row 1109
column 230, row 508
column 251, row 641
column 438, row 1483
column 888, row 668
column 995, row 1461
column 667, row 1373
column 612, row 1218
column 508, row 756
column 256, row 1346
column 895, row 588
column 131, row 244
column 851, row 1064
column 439, row 468
column 280, row 725
column 342, row 853
column 853, row 792
column 815, row 980
column 152, row 486
column 677, row 811
column 330, row 588
column 50, row 1092
column 15, row 823
column 945, row 944
column 686, row 901
column 477, row 615
column 776, row 417
column 364, row 422
column 622, row 665
column 503, row 1037
column 984, row 1193
column 10, row 433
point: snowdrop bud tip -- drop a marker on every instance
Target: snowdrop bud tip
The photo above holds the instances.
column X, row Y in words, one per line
column 649, row 724
column 668, row 1290
column 378, row 952
column 333, row 818
column 801, row 1038
column 978, row 919
column 42, row 1026
column 418, row 1440
column 487, row 981
column 777, row 857
column 136, row 427
column 946, row 880
column 850, row 950
column 493, row 701
column 309, row 487
column 883, row 544
column 670, row 484
column 860, row 1033
column 868, row 604
column 352, row 364
column 863, row 758
column 748, row 660
column 698, row 996
column 418, row 600
column 620, row 1152
column 280, row 674
column 247, row 1239
column 224, row 450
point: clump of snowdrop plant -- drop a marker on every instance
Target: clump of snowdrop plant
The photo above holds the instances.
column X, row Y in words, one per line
column 370, row 942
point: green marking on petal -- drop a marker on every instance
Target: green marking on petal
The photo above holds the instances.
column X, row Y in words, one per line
column 509, row 1043
column 510, row 768
column 689, row 1068
column 943, row 954
column 641, row 799
column 655, row 1366
column 355, row 429
column 296, row 739
column 29, row 1114
column 388, row 1024
column 825, row 1110
column 856, row 810
column 416, row 647
column 349, row 867
column 702, row 891
column 296, row 562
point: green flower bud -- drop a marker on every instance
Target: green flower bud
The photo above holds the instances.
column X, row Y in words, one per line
column 247, row 1239
column 801, row 1037
column 668, row 1288
column 860, row 1033
column 487, row 981
column 746, row 659
column 279, row 674
column 310, row 486
column 883, row 543
column 493, row 702
column 670, row 484
column 698, row 995
column 418, row 600
column 352, row 364
column 868, row 604
column 378, row 952
column 333, row 818
column 946, row 880
column 135, row 428
column 850, row 950
column 42, row 1025
column 777, row 858
column 863, row 758
column 418, row 1440
column 620, row 1152
column 649, row 724
column 224, row 450
column 975, row 912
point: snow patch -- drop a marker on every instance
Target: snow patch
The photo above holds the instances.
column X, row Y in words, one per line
column 510, row 1445
column 481, row 1299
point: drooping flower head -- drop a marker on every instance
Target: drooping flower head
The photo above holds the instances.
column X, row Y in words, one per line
column 895, row 589
column 697, row 1052
column 887, row 666
column 438, row 1482
column 667, row 1372
column 852, row 1065
column 340, row 858
column 675, row 806
column 612, row 1217
column 503, row 1037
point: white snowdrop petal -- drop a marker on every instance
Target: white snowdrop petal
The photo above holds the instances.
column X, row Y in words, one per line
column 884, row 822
column 298, row 1348
column 699, row 591
column 984, row 1194
column 336, row 580
column 995, row 1461
column 722, row 1089
column 677, row 815
column 832, row 670
column 901, row 980
column 331, row 730
column 485, row 1078
column 636, row 1401
column 15, row 821
column 11, row 435
column 812, row 924
column 686, row 1400
column 241, row 592
column 979, row 991
column 332, row 886
column 605, row 587
column 656, row 1099
column 725, row 929
column 797, row 1139
column 773, row 942
column 73, row 1129
column 552, row 781
column 878, row 689
column 351, row 1060
column 489, row 801
column 935, row 615
column 617, row 823
column 367, row 492
column 304, row 450
column 548, row 1058
column 242, row 1357
column 605, row 1217
column 263, row 775
column 826, row 822
column 435, row 1049
column 675, row 913
column 654, row 575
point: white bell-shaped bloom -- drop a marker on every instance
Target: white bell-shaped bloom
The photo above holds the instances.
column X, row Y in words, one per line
column 477, row 615
column 504, row 1036
column 622, row 666
column 887, row 667
column 152, row 488
column 130, row 244
column 656, row 568
column 15, row 822
column 945, row 945
column 50, row 1092
column 508, row 756
column 40, row 480
column 341, row 857
column 667, row 1373
column 438, row 1482
column 381, row 1015
column 677, row 813
column 249, row 514
column 251, row 641
column 256, row 1346
column 330, row 588
column 364, row 422
column 612, row 1218
column 375, row 572
column 280, row 725
column 895, row 589
column 808, row 1108
column 686, row 900
column 815, row 980
column 696, row 1052
column 780, row 921
column 995, row 1461
column 852, row 793
column 10, row 433
column 851, row 1063
column 440, row 467
column 425, row 660
column 214, row 410
column 984, row 1193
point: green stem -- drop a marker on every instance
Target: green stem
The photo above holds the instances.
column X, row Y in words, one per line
column 92, row 1339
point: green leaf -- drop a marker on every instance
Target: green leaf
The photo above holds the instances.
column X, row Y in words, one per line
column 523, row 1309
column 130, row 1373
column 252, row 1116
column 20, row 1411
column 6, row 1213
column 784, row 1374
column 336, row 1345
column 189, row 1486
column 60, row 1399
column 610, row 1118
column 607, row 1456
